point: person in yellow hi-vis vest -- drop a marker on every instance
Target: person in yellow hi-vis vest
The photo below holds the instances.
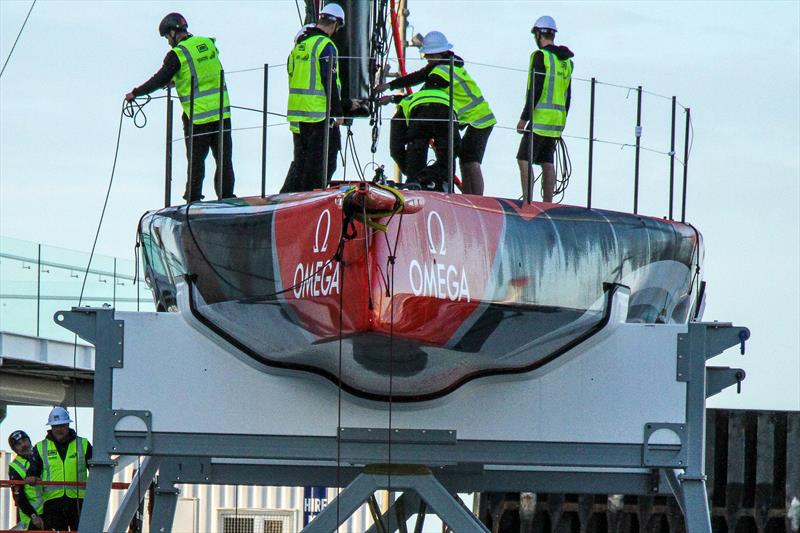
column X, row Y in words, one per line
column 549, row 77
column 62, row 456
column 193, row 66
column 475, row 116
column 423, row 117
column 27, row 498
column 312, row 66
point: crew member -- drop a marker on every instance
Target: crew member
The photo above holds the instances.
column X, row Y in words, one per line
column 27, row 498
column 422, row 117
column 549, row 77
column 195, row 60
column 63, row 456
column 313, row 60
column 472, row 109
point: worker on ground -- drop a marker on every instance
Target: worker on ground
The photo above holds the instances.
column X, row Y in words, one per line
column 472, row 109
column 194, row 60
column 312, row 62
column 62, row 456
column 423, row 117
column 27, row 498
column 549, row 77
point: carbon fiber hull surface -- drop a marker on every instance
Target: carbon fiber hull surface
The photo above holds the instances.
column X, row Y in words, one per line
column 463, row 288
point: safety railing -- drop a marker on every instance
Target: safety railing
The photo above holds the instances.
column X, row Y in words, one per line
column 584, row 108
column 37, row 280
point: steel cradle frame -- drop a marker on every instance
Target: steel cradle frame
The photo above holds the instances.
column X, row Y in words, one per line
column 428, row 464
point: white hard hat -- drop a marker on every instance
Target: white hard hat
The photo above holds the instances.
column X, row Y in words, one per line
column 545, row 22
column 435, row 42
column 334, row 11
column 58, row 417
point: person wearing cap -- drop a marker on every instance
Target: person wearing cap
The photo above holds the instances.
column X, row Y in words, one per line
column 27, row 498
column 62, row 456
column 549, row 77
column 470, row 106
column 194, row 61
column 312, row 66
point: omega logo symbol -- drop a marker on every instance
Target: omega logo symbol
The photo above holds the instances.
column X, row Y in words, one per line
column 432, row 242
column 327, row 216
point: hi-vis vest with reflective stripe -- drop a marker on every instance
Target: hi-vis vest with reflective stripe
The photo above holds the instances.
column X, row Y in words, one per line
column 470, row 106
column 32, row 492
column 54, row 469
column 550, row 112
column 424, row 96
column 307, row 99
column 199, row 59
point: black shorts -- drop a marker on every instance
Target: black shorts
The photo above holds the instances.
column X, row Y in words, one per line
column 473, row 144
column 543, row 148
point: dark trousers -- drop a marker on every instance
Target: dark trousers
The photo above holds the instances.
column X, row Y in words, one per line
column 62, row 514
column 205, row 137
column 408, row 144
column 305, row 172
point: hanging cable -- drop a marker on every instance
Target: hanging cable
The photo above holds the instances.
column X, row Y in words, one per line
column 89, row 264
column 24, row 22
column 563, row 170
column 134, row 109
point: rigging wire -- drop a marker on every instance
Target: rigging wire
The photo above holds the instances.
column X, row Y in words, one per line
column 91, row 256
column 24, row 22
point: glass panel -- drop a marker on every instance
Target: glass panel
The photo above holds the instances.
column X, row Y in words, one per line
column 58, row 287
column 18, row 266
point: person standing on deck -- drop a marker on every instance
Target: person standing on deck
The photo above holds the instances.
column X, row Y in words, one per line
column 549, row 77
column 422, row 117
column 193, row 66
column 313, row 60
column 472, row 109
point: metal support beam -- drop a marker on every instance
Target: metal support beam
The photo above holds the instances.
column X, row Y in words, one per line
column 452, row 512
column 166, row 501
column 135, row 495
column 168, row 152
column 403, row 508
column 98, row 488
column 264, row 133
column 638, row 133
column 451, row 131
column 591, row 145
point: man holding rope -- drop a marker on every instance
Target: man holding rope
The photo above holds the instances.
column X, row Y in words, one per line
column 193, row 66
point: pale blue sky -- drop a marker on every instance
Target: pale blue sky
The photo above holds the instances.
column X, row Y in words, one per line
column 61, row 94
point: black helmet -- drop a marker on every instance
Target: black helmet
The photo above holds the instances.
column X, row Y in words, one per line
column 17, row 436
column 173, row 21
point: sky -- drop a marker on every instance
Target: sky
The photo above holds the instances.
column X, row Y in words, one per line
column 62, row 91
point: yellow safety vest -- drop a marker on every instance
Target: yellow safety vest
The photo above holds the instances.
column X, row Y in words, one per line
column 72, row 469
column 32, row 492
column 424, row 96
column 199, row 60
column 307, row 98
column 471, row 107
column 550, row 112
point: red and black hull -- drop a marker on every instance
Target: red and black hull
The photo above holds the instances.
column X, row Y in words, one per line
column 465, row 287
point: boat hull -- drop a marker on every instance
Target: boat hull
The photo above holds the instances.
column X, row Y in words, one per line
column 457, row 288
